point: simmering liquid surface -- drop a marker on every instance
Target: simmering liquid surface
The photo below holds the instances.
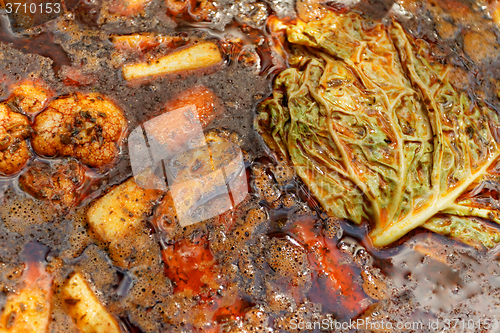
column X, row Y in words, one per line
column 276, row 260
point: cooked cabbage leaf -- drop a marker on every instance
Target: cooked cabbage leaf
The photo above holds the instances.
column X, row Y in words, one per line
column 468, row 230
column 374, row 127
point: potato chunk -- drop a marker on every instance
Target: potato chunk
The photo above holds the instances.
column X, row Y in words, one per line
column 29, row 309
column 83, row 306
column 87, row 127
column 26, row 312
column 118, row 220
column 198, row 56
column 117, row 213
column 208, row 106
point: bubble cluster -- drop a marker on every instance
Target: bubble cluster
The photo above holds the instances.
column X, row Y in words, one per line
column 24, row 215
column 283, row 173
column 255, row 320
column 305, row 312
column 285, row 258
column 264, row 185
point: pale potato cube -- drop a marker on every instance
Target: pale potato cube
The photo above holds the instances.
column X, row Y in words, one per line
column 28, row 311
column 198, row 56
column 120, row 211
column 494, row 9
column 87, row 312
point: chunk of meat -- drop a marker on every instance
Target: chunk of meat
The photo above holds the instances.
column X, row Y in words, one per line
column 332, row 279
column 178, row 128
column 480, row 46
column 75, row 76
column 199, row 189
column 198, row 10
column 87, row 127
column 189, row 265
column 14, row 151
column 83, row 306
column 29, row 98
column 204, row 183
column 494, row 10
column 278, row 41
column 128, row 7
column 207, row 104
column 201, row 286
column 58, row 183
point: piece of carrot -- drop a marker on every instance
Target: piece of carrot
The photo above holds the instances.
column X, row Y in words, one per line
column 180, row 126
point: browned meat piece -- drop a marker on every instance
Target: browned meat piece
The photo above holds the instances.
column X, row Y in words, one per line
column 59, row 183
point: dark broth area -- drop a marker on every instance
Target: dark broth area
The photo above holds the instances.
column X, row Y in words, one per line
column 277, row 257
